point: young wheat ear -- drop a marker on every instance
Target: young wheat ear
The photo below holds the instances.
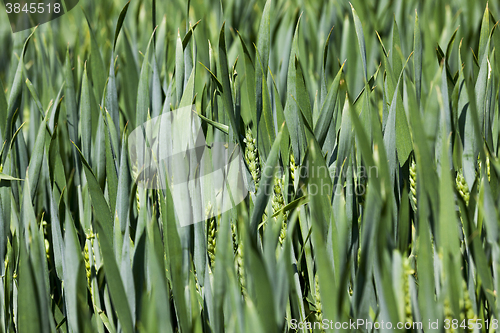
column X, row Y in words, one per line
column 462, row 187
column 252, row 157
column 407, row 273
column 317, row 300
column 293, row 168
column 413, row 185
column 211, row 233
column 487, row 166
column 466, row 309
column 278, row 202
column 238, row 258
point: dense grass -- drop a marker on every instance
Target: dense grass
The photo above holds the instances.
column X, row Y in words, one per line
column 402, row 110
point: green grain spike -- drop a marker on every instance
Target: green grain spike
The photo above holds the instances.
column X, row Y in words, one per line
column 413, row 185
column 252, row 157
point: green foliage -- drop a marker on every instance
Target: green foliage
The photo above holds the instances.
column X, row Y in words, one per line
column 371, row 155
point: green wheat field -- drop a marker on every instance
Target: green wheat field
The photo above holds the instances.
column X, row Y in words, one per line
column 370, row 137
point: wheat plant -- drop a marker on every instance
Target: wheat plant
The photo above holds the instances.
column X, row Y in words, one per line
column 370, row 138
